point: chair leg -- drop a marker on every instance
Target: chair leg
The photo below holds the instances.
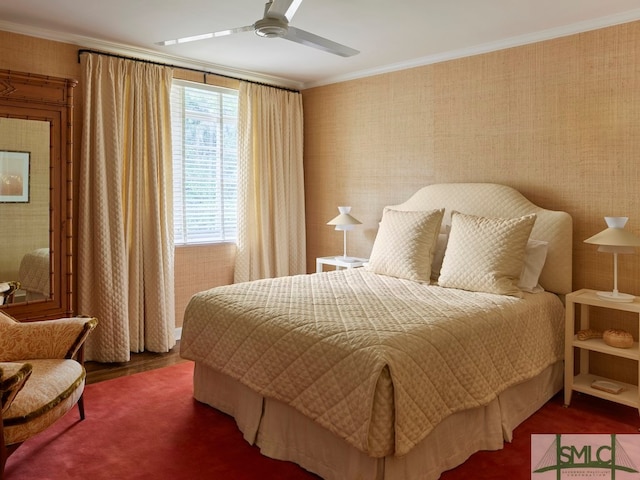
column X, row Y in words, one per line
column 3, row 459
column 4, row 450
column 80, row 407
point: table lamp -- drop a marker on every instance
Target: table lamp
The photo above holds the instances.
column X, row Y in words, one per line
column 615, row 239
column 344, row 222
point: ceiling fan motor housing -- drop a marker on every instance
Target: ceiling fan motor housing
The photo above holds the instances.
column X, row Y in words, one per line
column 271, row 27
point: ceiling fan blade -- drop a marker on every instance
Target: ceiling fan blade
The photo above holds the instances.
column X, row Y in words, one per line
column 315, row 41
column 204, row 36
column 282, row 8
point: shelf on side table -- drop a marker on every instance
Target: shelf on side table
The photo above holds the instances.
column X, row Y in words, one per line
column 629, row 396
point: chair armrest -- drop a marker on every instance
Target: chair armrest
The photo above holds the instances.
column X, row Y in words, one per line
column 60, row 338
column 12, row 378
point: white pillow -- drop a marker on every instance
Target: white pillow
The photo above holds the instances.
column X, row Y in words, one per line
column 535, row 256
column 438, row 255
column 485, row 254
column 405, row 244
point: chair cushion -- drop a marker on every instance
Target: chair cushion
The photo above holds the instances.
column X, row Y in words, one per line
column 52, row 390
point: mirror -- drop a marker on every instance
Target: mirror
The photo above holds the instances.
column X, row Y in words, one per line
column 35, row 193
column 24, row 207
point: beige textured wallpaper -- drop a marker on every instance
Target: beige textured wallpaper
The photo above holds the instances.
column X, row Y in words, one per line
column 199, row 268
column 558, row 120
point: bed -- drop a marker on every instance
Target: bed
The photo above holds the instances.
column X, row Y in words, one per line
column 440, row 347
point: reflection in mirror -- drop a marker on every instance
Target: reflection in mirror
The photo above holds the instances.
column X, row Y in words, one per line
column 24, row 207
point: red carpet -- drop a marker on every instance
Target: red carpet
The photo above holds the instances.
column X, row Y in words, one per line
column 147, row 426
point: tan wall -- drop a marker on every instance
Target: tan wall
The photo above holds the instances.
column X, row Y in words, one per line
column 199, row 268
column 558, row 120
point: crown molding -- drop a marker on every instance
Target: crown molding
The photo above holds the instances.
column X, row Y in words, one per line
column 146, row 54
column 517, row 41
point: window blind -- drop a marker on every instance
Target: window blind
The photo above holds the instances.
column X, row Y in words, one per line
column 204, row 121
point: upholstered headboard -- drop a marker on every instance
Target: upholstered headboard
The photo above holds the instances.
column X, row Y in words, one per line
column 501, row 201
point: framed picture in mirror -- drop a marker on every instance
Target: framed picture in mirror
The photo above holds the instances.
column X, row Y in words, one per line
column 14, row 177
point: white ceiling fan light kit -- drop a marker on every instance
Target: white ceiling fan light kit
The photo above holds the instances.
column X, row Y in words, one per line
column 275, row 24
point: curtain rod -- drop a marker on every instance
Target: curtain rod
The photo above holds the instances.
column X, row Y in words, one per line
column 115, row 55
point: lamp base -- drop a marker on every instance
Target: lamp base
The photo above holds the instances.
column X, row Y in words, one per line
column 616, row 296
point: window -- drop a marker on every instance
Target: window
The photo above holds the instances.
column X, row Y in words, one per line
column 204, row 123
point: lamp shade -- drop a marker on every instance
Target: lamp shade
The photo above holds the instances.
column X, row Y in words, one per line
column 344, row 221
column 615, row 239
column 615, row 235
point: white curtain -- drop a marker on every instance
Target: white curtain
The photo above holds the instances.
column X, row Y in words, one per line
column 271, row 205
column 125, row 224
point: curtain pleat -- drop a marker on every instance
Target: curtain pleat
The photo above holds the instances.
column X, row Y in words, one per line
column 271, row 225
column 125, row 225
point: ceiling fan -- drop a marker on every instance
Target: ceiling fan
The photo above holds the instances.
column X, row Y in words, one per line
column 275, row 24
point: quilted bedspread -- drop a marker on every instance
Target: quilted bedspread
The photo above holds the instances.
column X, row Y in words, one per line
column 377, row 360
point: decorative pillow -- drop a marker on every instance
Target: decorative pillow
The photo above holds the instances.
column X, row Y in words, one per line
column 405, row 244
column 485, row 254
column 535, row 256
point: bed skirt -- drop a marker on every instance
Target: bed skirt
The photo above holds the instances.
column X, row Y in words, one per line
column 283, row 433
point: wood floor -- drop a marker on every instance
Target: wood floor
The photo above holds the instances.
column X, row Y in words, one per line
column 140, row 362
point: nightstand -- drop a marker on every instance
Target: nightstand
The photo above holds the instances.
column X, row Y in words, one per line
column 338, row 263
column 582, row 382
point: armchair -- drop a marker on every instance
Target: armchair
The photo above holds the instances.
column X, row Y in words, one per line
column 41, row 376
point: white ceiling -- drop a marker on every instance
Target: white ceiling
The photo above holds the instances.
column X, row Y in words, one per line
column 390, row 35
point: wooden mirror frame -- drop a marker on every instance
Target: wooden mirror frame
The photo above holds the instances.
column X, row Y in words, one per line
column 38, row 97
